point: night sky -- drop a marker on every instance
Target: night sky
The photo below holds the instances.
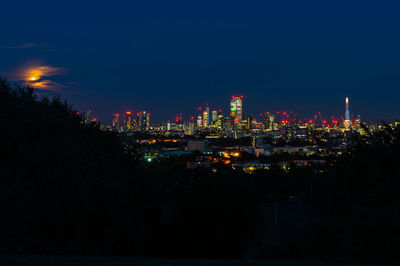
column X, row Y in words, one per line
column 168, row 57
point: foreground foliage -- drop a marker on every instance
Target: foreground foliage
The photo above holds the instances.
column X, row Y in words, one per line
column 63, row 183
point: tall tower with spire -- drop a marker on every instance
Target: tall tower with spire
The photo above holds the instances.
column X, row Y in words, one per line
column 347, row 121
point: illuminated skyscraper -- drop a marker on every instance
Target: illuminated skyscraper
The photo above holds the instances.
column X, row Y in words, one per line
column 357, row 121
column 220, row 120
column 248, row 121
column 236, row 109
column 88, row 117
column 347, row 121
column 129, row 121
column 144, row 121
column 268, row 121
column 206, row 117
column 214, row 116
column 199, row 121
column 189, row 128
column 115, row 122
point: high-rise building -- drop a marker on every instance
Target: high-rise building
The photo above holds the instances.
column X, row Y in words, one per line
column 206, row 117
column 347, row 121
column 254, row 123
column 237, row 109
column 220, row 120
column 115, row 122
column 129, row 121
column 143, row 121
column 269, row 120
column 357, row 121
column 189, row 128
column 88, row 117
column 248, row 121
column 214, row 117
column 228, row 124
column 199, row 121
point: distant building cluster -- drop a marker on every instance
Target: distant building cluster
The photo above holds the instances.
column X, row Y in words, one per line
column 218, row 139
column 129, row 122
column 213, row 123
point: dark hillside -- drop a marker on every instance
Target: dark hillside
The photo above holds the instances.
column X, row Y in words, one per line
column 63, row 185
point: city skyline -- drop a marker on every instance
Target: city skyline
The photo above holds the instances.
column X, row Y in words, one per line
column 215, row 120
column 210, row 114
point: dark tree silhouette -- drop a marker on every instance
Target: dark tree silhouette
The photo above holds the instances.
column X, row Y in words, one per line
column 359, row 199
column 64, row 185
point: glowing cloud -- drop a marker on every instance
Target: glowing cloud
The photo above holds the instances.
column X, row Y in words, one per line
column 47, row 85
column 37, row 74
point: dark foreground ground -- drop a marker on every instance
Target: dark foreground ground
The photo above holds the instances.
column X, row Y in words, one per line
column 76, row 260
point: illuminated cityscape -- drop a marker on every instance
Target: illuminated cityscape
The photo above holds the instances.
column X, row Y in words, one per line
column 235, row 124
column 310, row 140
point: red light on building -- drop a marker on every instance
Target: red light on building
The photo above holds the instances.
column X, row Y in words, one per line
column 310, row 121
column 324, row 121
column 284, row 113
column 283, row 121
column 128, row 112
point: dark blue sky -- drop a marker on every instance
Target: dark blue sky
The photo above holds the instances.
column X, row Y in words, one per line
column 169, row 57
